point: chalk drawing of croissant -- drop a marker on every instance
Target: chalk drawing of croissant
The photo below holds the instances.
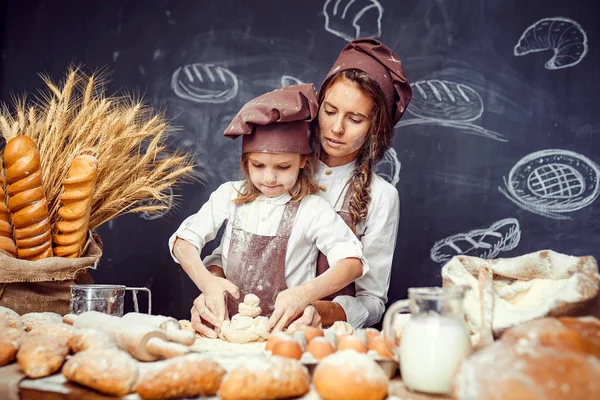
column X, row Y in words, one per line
column 389, row 167
column 553, row 182
column 204, row 83
column 562, row 35
column 353, row 19
column 449, row 104
column 486, row 243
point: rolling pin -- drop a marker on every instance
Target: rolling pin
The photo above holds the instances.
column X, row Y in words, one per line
column 169, row 325
column 143, row 342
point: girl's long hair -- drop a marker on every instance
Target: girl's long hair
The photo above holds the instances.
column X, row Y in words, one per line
column 379, row 139
column 305, row 184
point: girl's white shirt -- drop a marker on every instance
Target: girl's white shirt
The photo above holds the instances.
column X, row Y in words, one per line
column 316, row 227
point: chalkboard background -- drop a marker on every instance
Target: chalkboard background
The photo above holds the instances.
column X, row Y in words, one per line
column 485, row 102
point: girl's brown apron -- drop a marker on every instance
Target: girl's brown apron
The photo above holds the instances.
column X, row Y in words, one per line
column 323, row 265
column 256, row 263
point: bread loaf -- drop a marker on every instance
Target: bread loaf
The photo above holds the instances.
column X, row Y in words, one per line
column 6, row 231
column 41, row 356
column 9, row 332
column 349, row 375
column 76, row 201
column 271, row 378
column 109, row 371
column 544, row 359
column 8, row 350
column 187, row 376
column 85, row 339
column 60, row 331
column 27, row 201
column 10, row 316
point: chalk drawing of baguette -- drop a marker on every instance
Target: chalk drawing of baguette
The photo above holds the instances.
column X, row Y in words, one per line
column 565, row 37
column 449, row 104
column 204, row 83
column 487, row 243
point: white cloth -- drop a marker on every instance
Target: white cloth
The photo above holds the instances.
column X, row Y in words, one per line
column 316, row 227
column 378, row 230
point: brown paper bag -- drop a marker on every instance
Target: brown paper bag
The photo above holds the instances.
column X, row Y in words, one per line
column 509, row 291
column 44, row 285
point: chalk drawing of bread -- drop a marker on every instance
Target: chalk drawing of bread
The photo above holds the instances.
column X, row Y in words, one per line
column 204, row 83
column 551, row 182
column 288, row 80
column 389, row 167
column 353, row 19
column 562, row 35
column 445, row 101
column 486, row 243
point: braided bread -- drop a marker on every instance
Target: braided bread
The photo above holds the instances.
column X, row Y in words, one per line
column 27, row 201
column 76, row 207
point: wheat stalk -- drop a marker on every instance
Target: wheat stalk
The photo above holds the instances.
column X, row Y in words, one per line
column 122, row 132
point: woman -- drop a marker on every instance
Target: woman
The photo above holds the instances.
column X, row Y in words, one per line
column 361, row 99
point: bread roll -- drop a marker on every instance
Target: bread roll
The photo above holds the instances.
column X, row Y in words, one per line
column 8, row 350
column 60, row 331
column 27, row 201
column 76, row 200
column 109, row 371
column 187, row 376
column 41, row 356
column 9, row 332
column 348, row 375
column 10, row 316
column 271, row 378
column 86, row 339
column 544, row 359
column 6, row 230
column 36, row 319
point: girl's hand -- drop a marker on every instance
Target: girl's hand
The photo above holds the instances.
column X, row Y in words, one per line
column 289, row 304
column 310, row 317
column 211, row 305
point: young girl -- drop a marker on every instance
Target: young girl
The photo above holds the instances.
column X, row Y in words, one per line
column 276, row 225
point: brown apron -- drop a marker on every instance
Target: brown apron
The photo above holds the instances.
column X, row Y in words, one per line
column 323, row 265
column 256, row 262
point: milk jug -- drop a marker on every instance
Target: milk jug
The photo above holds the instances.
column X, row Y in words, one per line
column 433, row 342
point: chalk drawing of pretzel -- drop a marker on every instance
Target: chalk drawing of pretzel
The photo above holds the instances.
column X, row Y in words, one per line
column 353, row 19
column 553, row 182
column 204, row 83
column 449, row 104
column 486, row 243
column 564, row 36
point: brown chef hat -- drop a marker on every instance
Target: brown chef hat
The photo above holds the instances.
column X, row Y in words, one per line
column 276, row 122
column 384, row 66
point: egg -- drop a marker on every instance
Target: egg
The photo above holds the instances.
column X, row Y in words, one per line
column 320, row 348
column 311, row 332
column 351, row 342
column 287, row 348
column 274, row 338
column 378, row 344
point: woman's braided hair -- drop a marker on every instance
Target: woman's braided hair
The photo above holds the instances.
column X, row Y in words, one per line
column 379, row 140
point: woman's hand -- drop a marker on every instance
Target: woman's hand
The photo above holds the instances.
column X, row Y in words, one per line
column 289, row 304
column 310, row 317
column 211, row 306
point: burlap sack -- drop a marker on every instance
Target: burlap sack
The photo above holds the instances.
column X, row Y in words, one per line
column 44, row 285
column 507, row 292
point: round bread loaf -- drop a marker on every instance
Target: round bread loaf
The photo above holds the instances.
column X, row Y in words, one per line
column 41, row 355
column 187, row 376
column 109, row 371
column 37, row 319
column 60, row 330
column 348, row 375
column 271, row 378
column 10, row 316
column 86, row 339
column 8, row 350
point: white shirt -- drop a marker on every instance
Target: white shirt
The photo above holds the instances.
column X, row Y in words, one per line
column 316, row 227
column 378, row 232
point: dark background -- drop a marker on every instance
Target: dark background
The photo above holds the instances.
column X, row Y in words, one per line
column 449, row 180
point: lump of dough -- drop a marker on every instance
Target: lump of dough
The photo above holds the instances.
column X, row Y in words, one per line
column 246, row 326
column 250, row 308
column 252, row 300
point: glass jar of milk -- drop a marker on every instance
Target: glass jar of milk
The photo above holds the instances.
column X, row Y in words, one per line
column 433, row 342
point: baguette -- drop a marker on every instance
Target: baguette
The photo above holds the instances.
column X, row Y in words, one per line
column 6, row 231
column 76, row 206
column 27, row 201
